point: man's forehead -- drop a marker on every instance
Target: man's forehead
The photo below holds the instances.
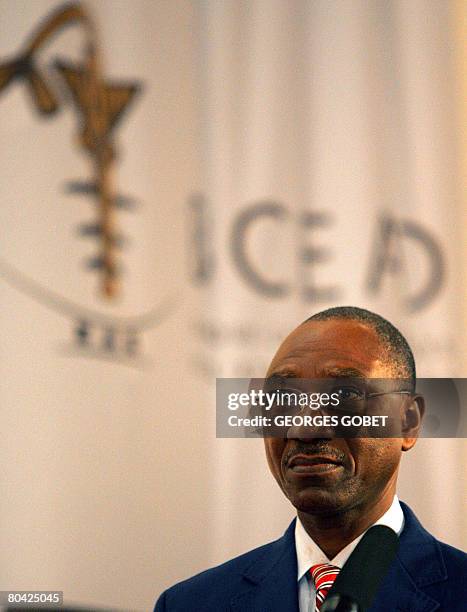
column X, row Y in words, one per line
column 331, row 345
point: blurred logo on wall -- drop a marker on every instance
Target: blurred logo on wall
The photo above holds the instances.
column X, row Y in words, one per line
column 276, row 255
column 99, row 105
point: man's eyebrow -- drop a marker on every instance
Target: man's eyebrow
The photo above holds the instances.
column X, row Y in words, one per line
column 344, row 372
column 334, row 372
column 281, row 374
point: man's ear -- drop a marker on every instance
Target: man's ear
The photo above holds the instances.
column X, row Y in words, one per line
column 412, row 416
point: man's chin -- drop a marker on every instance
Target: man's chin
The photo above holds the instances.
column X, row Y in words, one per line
column 318, row 502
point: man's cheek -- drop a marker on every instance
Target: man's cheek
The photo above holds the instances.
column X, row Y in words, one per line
column 276, row 451
column 271, row 453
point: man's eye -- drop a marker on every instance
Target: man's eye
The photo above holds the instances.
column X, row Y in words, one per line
column 349, row 393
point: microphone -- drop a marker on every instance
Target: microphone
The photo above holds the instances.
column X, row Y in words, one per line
column 358, row 581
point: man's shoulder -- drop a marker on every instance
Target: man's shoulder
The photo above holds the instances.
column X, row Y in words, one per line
column 216, row 582
column 437, row 568
column 454, row 557
column 233, row 567
column 420, row 536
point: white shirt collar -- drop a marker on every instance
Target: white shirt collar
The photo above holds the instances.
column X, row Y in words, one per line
column 309, row 553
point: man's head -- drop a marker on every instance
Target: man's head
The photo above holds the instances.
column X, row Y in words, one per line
column 394, row 347
column 354, row 472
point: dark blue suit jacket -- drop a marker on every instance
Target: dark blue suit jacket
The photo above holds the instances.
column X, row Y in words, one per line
column 427, row 575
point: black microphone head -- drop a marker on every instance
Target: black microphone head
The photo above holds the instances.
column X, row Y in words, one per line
column 362, row 574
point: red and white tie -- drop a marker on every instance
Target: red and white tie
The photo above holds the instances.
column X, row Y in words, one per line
column 323, row 576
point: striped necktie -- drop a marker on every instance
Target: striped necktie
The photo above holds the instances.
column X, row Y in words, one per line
column 323, row 576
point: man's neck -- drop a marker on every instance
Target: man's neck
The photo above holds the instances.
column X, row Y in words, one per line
column 333, row 533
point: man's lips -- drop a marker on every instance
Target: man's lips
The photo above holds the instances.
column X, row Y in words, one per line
column 312, row 460
column 310, row 464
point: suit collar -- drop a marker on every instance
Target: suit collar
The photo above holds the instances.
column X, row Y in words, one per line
column 270, row 582
column 419, row 553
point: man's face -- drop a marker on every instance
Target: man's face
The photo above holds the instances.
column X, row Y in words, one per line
column 350, row 472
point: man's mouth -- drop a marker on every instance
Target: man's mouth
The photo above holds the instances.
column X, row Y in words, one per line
column 313, row 464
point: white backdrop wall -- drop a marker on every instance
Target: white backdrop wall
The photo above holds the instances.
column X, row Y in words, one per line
column 328, row 122
column 284, row 156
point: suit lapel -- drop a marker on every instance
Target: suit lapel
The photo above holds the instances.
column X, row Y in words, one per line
column 398, row 593
column 419, row 563
column 270, row 583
